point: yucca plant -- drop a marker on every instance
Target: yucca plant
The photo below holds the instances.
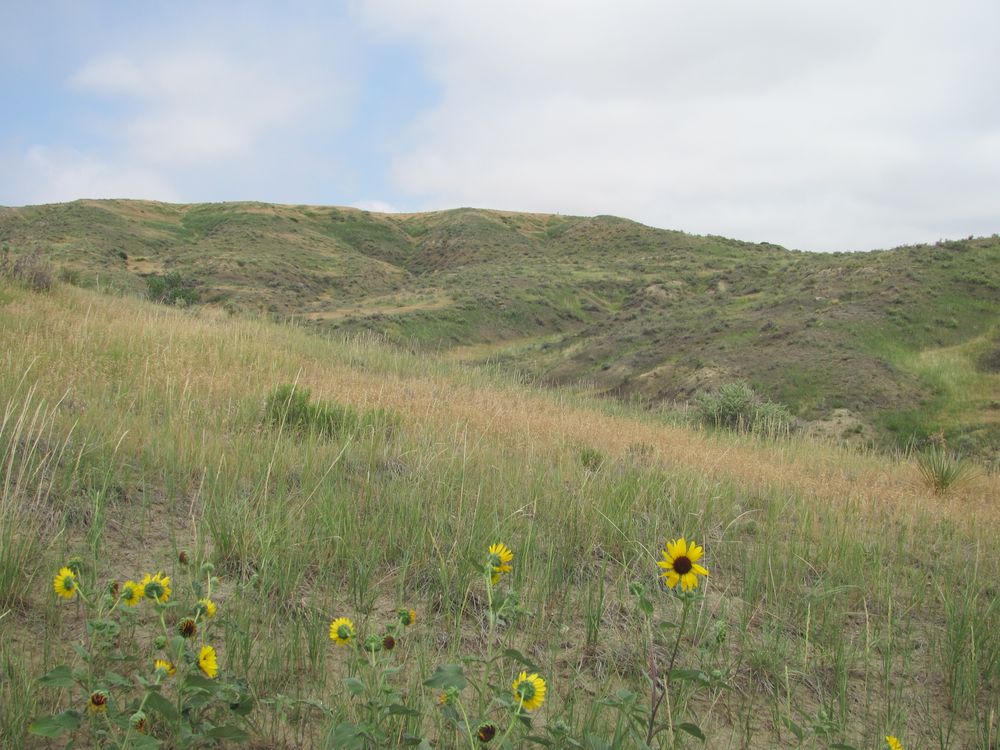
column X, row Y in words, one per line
column 942, row 470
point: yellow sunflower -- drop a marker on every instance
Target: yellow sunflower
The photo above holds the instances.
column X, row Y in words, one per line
column 98, row 702
column 206, row 607
column 499, row 561
column 168, row 668
column 207, row 662
column 894, row 743
column 342, row 631
column 529, row 690
column 65, row 584
column 407, row 616
column 680, row 563
column 132, row 593
column 156, row 587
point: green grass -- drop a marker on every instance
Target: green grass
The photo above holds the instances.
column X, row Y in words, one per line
column 853, row 604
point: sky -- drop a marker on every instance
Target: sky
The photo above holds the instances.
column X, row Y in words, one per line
column 818, row 126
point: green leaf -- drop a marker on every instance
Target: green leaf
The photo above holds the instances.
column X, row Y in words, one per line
column 693, row 729
column 447, row 676
column 794, row 728
column 161, row 705
column 356, row 686
column 397, row 709
column 227, row 732
column 513, row 653
column 143, row 742
column 544, row 741
column 61, row 676
column 53, row 726
column 116, row 679
column 198, row 682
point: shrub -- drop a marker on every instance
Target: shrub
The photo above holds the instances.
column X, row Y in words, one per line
column 68, row 275
column 289, row 406
column 942, row 469
column 171, row 289
column 738, row 407
column 591, row 459
column 32, row 270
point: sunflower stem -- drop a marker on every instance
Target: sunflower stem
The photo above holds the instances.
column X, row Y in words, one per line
column 658, row 699
column 468, row 727
column 513, row 721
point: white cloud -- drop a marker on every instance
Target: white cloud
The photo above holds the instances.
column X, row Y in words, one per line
column 821, row 126
column 221, row 105
column 43, row 175
column 194, row 106
column 379, row 207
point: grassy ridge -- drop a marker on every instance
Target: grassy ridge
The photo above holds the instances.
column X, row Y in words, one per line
column 853, row 597
column 619, row 307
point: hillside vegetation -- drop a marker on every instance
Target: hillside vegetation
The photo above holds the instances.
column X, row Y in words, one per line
column 846, row 599
column 895, row 347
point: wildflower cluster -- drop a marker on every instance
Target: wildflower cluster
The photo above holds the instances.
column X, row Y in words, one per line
column 166, row 693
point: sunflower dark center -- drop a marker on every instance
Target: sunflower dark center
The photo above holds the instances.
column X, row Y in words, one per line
column 683, row 565
column 486, row 732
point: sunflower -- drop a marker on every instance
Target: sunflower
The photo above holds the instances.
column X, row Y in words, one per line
column 342, row 631
column 207, row 662
column 187, row 627
column 894, row 743
column 486, row 732
column 98, row 702
column 156, row 587
column 529, row 689
column 65, row 583
column 499, row 561
column 132, row 593
column 407, row 616
column 388, row 643
column 167, row 667
column 206, row 607
column 680, row 563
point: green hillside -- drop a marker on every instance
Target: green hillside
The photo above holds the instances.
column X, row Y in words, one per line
column 906, row 340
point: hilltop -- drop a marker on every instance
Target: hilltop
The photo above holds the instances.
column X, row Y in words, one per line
column 892, row 346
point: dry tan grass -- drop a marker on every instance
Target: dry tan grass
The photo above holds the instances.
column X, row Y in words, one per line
column 237, row 357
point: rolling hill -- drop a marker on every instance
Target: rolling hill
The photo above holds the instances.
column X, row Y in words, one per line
column 894, row 346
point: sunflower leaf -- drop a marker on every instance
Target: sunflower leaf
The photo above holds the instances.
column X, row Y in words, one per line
column 513, row 653
column 447, row 676
column 53, row 726
column 227, row 732
column 61, row 676
column 161, row 705
column 693, row 729
column 356, row 686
